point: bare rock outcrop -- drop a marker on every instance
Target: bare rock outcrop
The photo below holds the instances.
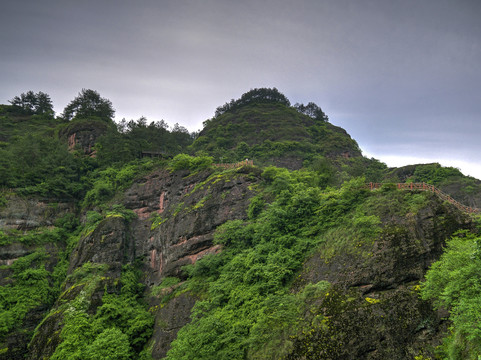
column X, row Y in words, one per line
column 83, row 134
column 21, row 213
column 178, row 214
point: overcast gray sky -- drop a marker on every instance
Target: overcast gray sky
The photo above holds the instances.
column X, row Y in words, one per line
column 403, row 77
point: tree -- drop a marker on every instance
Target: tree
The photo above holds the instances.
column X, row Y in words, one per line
column 312, row 110
column 264, row 95
column 88, row 104
column 111, row 344
column 34, row 103
column 454, row 283
column 44, row 104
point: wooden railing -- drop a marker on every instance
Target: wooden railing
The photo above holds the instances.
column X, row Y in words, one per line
column 236, row 165
column 431, row 188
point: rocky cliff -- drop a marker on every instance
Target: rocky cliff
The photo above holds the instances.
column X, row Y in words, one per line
column 374, row 309
column 27, row 242
column 177, row 214
column 83, row 134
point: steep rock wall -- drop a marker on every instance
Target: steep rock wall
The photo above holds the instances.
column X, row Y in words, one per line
column 374, row 310
column 177, row 214
column 177, row 217
column 22, row 218
column 21, row 213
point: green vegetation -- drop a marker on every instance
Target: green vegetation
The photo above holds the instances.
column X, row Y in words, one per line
column 262, row 95
column 35, row 158
column 105, row 183
column 34, row 161
column 44, row 166
column 187, row 162
column 433, row 174
column 119, row 327
column 29, row 289
column 130, row 138
column 16, row 123
column 262, row 125
column 89, row 104
column 464, row 189
column 39, row 236
column 312, row 110
column 166, row 283
column 253, row 303
column 454, row 283
column 33, row 103
column 248, row 306
column 30, row 284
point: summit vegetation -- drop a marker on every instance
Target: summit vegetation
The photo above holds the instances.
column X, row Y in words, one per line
column 262, row 125
column 314, row 266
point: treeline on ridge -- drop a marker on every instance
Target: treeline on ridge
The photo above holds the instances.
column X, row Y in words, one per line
column 35, row 157
column 267, row 95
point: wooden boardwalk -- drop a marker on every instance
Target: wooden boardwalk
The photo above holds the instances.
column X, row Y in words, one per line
column 431, row 188
column 236, row 165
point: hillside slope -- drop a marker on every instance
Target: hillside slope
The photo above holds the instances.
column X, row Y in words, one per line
column 271, row 132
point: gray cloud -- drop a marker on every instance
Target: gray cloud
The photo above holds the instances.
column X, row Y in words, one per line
column 402, row 77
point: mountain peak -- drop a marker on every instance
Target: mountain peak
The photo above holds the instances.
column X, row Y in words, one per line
column 263, row 125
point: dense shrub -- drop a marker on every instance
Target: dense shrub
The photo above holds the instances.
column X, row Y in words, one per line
column 30, row 288
column 120, row 327
column 187, row 162
column 454, row 283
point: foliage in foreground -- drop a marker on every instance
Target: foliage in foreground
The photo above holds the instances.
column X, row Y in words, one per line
column 31, row 285
column 454, row 283
column 118, row 329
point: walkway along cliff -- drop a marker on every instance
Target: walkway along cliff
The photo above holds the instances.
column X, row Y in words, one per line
column 427, row 187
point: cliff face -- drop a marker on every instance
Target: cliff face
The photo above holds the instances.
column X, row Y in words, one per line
column 177, row 214
column 83, row 134
column 25, row 244
column 185, row 210
column 25, row 214
column 373, row 311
